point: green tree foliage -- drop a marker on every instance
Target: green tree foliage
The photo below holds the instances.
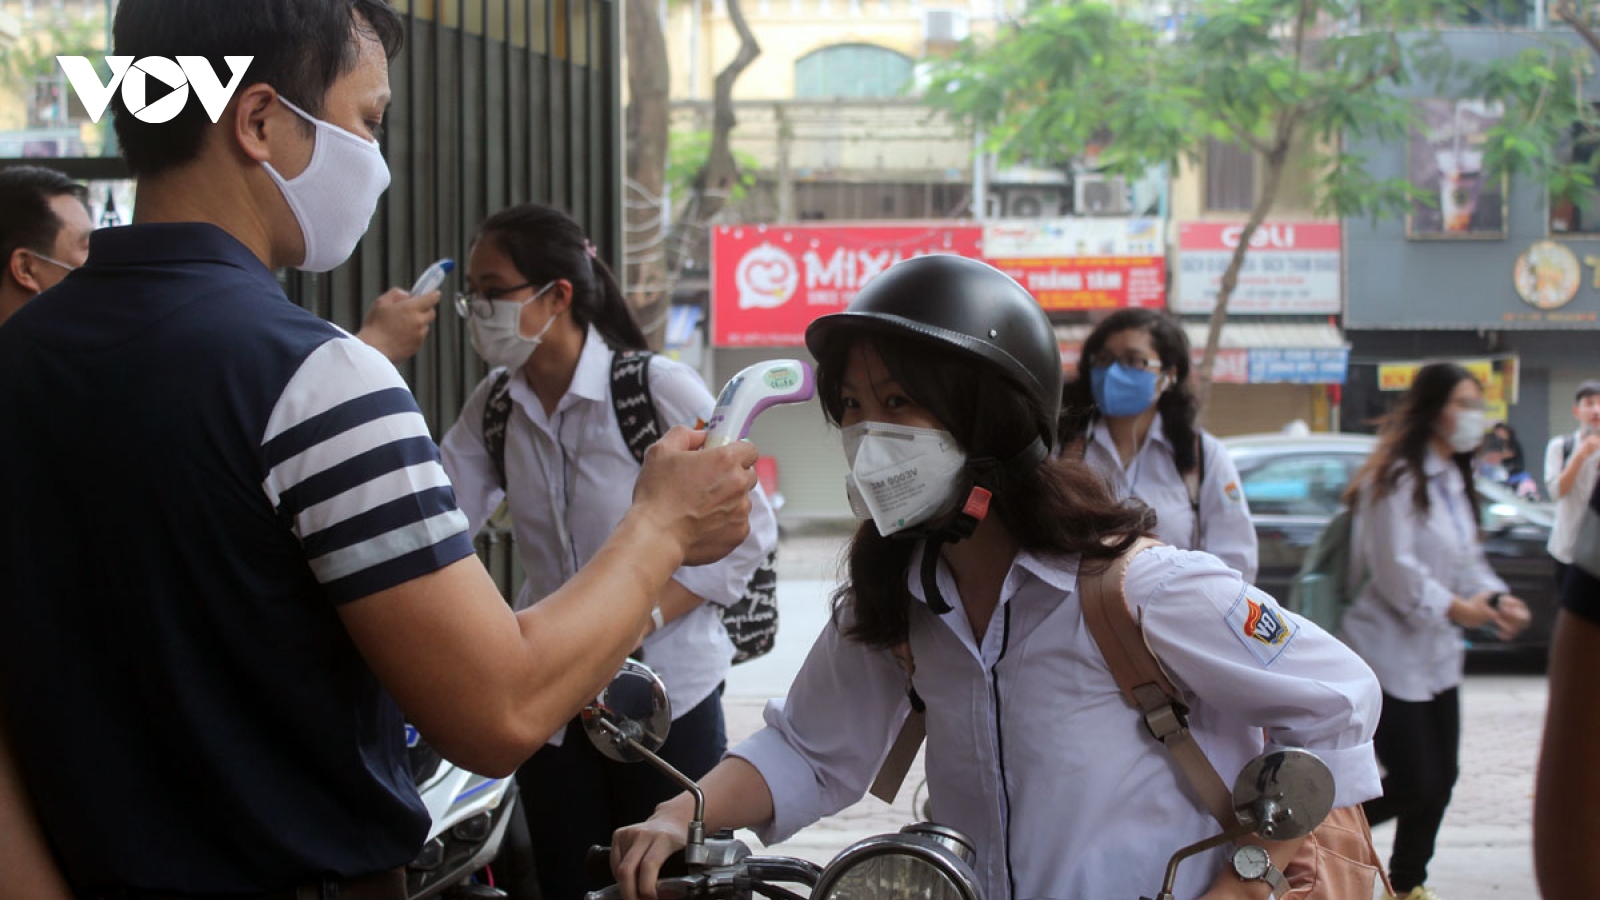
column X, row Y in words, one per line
column 1287, row 79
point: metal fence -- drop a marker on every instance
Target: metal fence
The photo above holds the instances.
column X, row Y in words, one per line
column 496, row 102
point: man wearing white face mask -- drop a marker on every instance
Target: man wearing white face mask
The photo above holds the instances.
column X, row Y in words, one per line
column 281, row 569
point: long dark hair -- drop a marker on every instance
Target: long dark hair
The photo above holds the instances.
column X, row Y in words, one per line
column 1405, row 434
column 1176, row 404
column 1057, row 507
column 546, row 244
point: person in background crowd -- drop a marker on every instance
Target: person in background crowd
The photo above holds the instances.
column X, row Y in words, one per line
column 944, row 378
column 1423, row 577
column 1130, row 415
column 234, row 567
column 546, row 312
column 44, row 232
column 1501, row 460
column 1571, row 473
column 1566, row 829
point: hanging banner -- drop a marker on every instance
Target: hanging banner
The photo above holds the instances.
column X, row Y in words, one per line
column 770, row 281
column 1292, row 268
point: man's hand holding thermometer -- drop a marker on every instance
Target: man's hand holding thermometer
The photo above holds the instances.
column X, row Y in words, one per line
column 704, row 497
column 398, row 322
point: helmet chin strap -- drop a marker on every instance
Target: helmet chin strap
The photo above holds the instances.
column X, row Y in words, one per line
column 988, row 474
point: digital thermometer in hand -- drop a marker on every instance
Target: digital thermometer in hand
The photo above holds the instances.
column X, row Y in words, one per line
column 432, row 277
column 749, row 394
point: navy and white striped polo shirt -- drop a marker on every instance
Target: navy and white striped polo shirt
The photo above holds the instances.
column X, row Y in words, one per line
column 194, row 474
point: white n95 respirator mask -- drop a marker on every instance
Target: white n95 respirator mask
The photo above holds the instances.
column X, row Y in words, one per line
column 901, row 476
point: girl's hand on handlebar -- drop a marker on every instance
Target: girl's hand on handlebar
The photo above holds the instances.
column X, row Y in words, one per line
column 638, row 851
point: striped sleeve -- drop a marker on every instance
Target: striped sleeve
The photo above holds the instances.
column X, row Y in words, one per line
column 351, row 467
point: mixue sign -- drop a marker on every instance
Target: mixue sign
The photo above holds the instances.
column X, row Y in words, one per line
column 154, row 88
column 1292, row 267
column 770, row 282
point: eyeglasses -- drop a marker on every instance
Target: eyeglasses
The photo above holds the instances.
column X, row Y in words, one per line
column 481, row 303
column 1133, row 359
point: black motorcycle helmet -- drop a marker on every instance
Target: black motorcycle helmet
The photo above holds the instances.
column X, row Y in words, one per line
column 965, row 305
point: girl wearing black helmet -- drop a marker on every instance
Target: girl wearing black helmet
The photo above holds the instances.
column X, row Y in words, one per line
column 944, row 376
column 1130, row 415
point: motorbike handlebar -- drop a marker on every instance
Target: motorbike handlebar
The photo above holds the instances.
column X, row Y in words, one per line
column 597, row 865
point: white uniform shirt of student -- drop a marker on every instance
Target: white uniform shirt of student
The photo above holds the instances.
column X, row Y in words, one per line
column 1571, row 505
column 571, row 478
column 1032, row 751
column 1418, row 564
column 1153, row 477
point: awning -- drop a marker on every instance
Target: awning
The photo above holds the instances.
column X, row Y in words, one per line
column 1251, row 352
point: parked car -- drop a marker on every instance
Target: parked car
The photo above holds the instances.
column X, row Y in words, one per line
column 1295, row 484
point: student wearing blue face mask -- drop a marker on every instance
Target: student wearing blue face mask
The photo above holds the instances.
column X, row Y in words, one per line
column 1130, row 416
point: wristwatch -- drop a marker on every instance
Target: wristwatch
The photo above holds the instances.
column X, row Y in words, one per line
column 1252, row 863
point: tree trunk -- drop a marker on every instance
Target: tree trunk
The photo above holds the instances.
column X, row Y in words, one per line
column 716, row 180
column 1276, row 161
column 645, row 275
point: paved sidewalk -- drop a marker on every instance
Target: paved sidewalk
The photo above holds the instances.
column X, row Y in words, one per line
column 1484, row 849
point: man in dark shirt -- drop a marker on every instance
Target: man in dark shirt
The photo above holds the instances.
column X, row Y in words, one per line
column 273, row 550
column 44, row 233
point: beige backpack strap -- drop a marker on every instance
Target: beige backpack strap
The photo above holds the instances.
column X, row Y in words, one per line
column 1144, row 683
column 892, row 774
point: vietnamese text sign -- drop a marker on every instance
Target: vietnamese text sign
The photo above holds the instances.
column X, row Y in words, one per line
column 1323, row 365
column 1292, row 267
column 770, row 281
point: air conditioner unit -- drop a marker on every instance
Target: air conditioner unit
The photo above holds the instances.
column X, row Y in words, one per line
column 1034, row 202
column 944, row 26
column 1101, row 195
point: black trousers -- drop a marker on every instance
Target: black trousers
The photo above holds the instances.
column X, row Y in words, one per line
column 575, row 797
column 1419, row 745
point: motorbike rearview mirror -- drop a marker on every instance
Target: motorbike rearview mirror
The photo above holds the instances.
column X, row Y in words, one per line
column 1280, row 795
column 629, row 722
column 1284, row 794
column 630, row 715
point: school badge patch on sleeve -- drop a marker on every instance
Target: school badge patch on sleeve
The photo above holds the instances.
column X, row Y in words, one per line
column 1260, row 625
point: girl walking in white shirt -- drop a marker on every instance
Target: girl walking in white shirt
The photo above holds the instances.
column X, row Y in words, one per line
column 1425, row 577
column 546, row 312
column 1130, row 416
column 944, row 375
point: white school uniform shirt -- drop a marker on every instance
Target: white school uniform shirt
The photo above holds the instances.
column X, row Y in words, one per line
column 1031, row 750
column 1571, row 505
column 1413, row 565
column 1152, row 476
column 571, row 480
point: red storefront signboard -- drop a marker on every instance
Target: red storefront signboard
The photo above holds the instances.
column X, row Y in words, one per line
column 770, row 282
column 1292, row 267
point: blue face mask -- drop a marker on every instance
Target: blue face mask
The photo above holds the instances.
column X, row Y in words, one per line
column 1120, row 391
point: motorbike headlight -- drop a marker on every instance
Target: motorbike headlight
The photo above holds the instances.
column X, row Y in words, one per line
column 922, row 862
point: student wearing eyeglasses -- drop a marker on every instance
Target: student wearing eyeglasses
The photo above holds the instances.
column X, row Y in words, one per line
column 545, row 432
column 1130, row 416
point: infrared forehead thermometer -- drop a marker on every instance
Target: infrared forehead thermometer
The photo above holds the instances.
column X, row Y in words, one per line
column 432, row 277
column 752, row 391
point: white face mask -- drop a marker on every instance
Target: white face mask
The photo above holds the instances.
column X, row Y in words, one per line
column 335, row 197
column 498, row 339
column 1468, row 433
column 900, row 476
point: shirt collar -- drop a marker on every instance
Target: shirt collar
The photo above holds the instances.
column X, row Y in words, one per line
column 1059, row 572
column 1102, row 435
column 1434, row 465
column 171, row 242
column 592, row 379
